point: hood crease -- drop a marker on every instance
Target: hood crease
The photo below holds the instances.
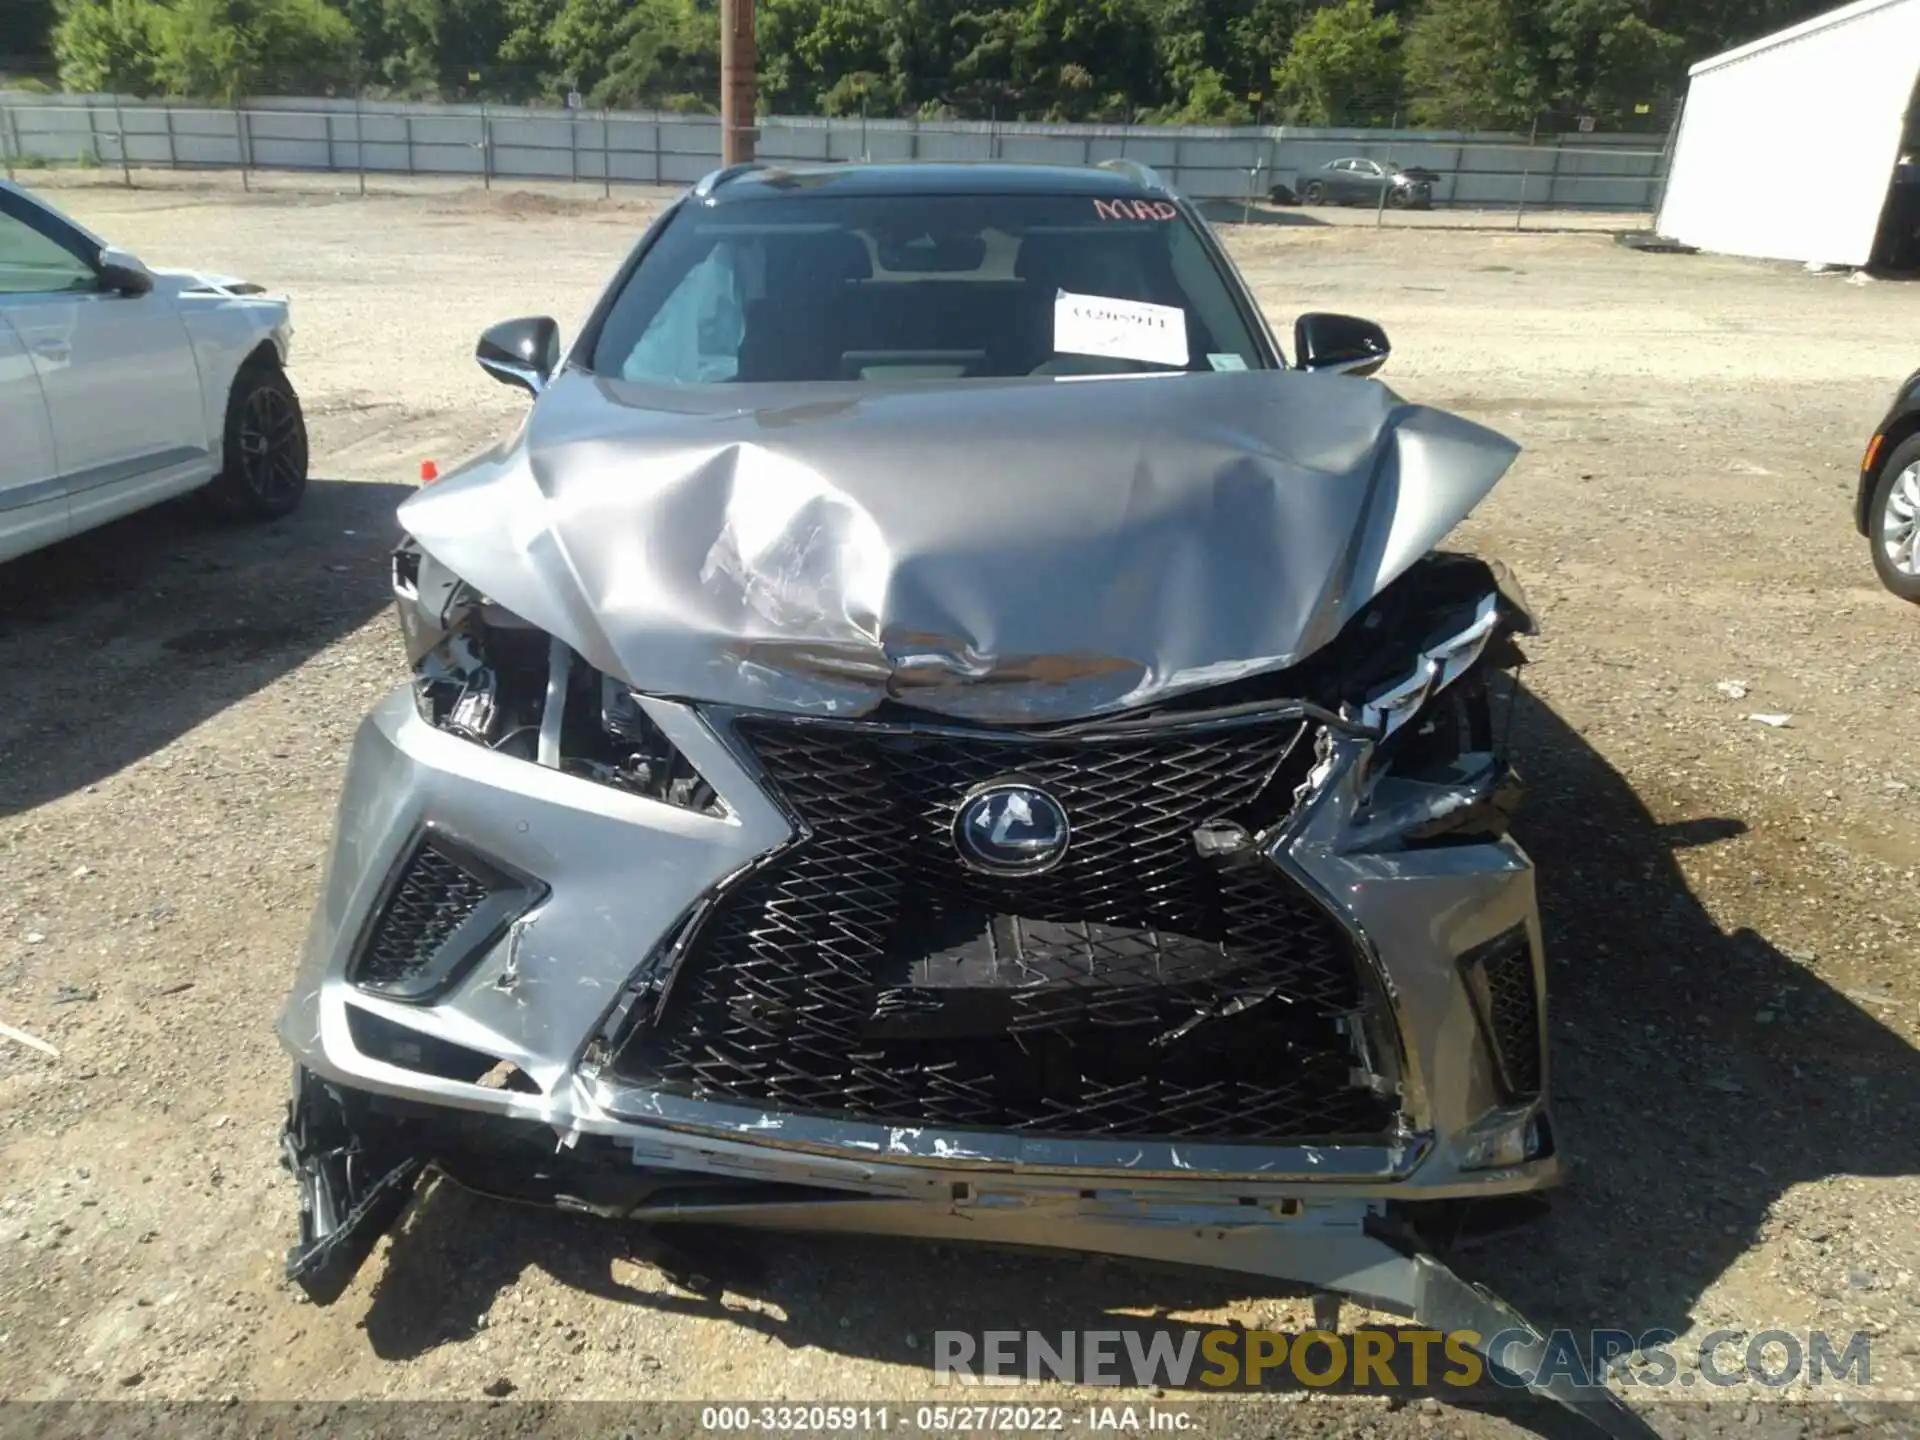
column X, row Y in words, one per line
column 1005, row 552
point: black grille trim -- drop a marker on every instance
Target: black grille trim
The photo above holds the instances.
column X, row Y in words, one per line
column 1160, row 994
column 1506, row 999
column 443, row 907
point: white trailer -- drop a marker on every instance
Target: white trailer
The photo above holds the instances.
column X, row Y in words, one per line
column 1787, row 146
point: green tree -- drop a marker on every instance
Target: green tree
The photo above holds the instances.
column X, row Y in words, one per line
column 1208, row 101
column 107, row 46
column 226, row 49
column 1342, row 67
column 432, row 47
column 1083, row 59
column 1603, row 57
column 1053, row 59
column 1471, row 64
column 638, row 52
column 524, row 41
column 829, row 56
column 1217, row 57
column 26, row 31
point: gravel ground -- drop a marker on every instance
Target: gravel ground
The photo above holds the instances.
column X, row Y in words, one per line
column 1731, row 907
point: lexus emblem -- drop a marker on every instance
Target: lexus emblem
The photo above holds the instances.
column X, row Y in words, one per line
column 1007, row 828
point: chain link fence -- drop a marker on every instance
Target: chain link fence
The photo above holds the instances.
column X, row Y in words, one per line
column 1271, row 173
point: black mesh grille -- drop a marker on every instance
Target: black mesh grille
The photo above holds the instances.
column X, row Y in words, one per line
column 1513, row 1015
column 1135, row 989
column 434, row 895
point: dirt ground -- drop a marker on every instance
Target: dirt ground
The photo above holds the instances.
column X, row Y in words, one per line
column 1731, row 908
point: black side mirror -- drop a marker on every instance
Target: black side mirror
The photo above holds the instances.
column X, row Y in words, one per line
column 522, row 352
column 1339, row 344
column 120, row 272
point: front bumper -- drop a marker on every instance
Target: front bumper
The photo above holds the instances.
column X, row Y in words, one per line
column 616, row 874
column 603, row 877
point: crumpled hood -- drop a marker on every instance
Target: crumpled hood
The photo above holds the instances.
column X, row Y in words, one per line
column 1017, row 551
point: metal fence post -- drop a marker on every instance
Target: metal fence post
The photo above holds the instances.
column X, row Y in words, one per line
column 360, row 136
column 486, row 147
column 658, row 159
column 6, row 145
column 1526, row 174
column 407, row 116
column 173, row 154
column 241, row 138
column 1386, row 164
column 606, row 156
column 573, row 144
column 120, row 139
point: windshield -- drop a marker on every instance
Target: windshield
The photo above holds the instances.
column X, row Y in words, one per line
column 818, row 287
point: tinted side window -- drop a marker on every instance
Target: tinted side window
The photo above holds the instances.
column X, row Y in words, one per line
column 32, row 264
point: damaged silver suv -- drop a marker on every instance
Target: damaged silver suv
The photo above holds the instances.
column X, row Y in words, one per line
column 933, row 727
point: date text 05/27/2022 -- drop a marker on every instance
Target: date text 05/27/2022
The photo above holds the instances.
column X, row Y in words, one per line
column 943, row 1419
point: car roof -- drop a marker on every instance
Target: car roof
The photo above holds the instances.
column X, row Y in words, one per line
column 929, row 177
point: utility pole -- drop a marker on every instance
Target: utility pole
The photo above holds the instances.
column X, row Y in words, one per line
column 739, row 82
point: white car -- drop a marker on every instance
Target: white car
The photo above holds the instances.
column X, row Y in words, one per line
column 122, row 386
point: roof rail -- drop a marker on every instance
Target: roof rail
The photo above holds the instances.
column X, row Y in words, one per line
column 1142, row 174
column 714, row 179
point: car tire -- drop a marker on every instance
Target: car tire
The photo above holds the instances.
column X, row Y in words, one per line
column 263, row 472
column 1893, row 508
column 1313, row 193
column 1398, row 199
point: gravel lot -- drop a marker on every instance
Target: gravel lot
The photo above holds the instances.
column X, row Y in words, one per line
column 1731, row 907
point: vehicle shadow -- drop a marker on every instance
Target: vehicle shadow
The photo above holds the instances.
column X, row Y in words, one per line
column 1685, row 1118
column 1254, row 212
column 1699, row 1074
column 118, row 641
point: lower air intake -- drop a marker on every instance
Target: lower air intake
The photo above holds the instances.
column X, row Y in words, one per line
column 1500, row 974
column 1135, row 988
column 444, row 907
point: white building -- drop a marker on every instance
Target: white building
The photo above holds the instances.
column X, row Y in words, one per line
column 1786, row 148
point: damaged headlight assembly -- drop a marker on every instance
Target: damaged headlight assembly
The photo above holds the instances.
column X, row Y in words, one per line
column 484, row 674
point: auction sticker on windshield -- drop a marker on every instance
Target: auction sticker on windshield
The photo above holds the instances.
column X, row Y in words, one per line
column 1119, row 329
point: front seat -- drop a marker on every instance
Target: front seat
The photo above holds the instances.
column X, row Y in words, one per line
column 796, row 331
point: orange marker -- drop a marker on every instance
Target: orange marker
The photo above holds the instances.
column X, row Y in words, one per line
column 429, row 472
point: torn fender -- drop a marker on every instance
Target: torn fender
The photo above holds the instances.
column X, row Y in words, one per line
column 1000, row 551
